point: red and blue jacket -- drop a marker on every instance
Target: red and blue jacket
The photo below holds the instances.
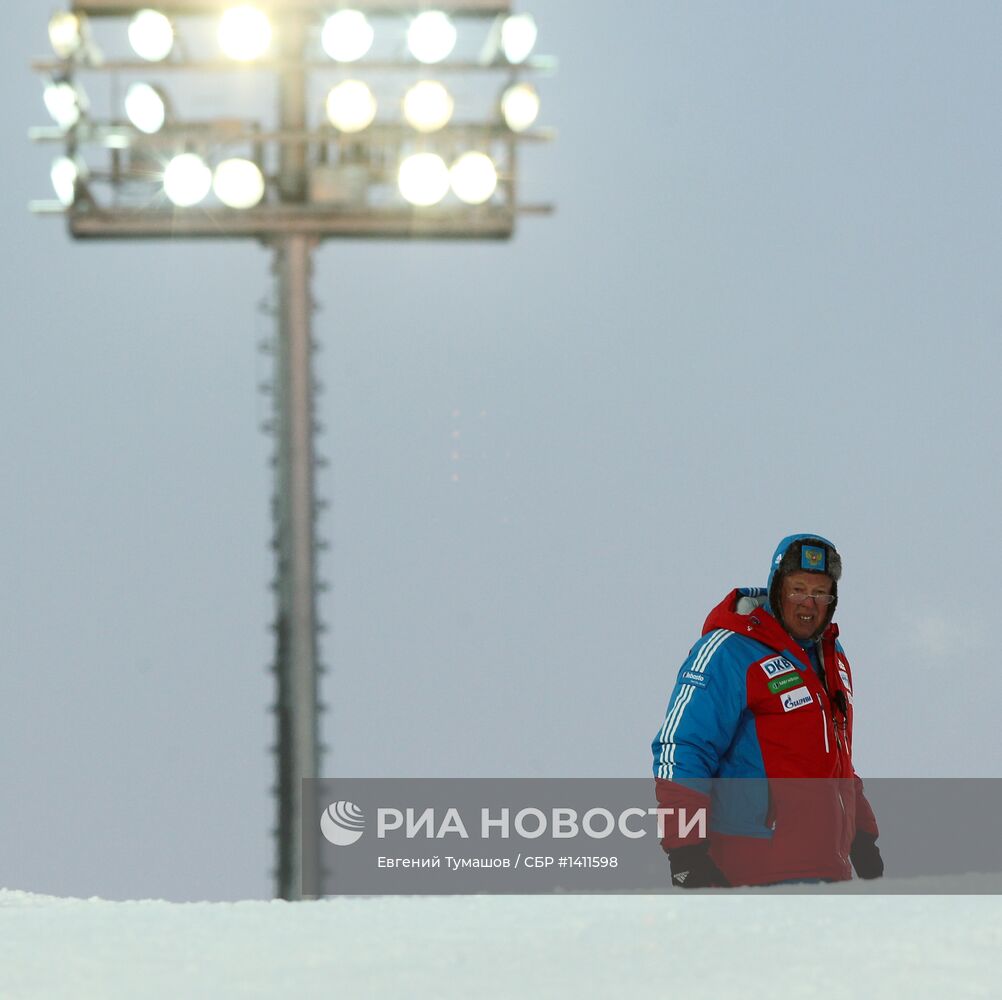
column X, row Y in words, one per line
column 748, row 705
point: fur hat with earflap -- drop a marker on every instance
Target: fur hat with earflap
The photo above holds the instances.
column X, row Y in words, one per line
column 804, row 553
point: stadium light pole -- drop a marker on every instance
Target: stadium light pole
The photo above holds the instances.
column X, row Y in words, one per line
column 141, row 169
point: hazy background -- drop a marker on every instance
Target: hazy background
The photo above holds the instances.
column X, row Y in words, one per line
column 769, row 302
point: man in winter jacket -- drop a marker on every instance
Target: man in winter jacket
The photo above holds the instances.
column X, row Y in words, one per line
column 758, row 736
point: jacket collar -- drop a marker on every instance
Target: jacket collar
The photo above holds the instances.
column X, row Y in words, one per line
column 753, row 620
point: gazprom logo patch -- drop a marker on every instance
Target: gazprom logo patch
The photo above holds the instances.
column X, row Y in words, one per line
column 776, row 666
column 797, row 699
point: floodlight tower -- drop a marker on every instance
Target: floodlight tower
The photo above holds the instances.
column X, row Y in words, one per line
column 374, row 163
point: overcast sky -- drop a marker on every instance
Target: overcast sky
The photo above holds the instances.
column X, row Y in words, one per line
column 768, row 302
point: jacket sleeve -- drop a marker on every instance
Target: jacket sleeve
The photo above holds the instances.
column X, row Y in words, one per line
column 703, row 715
column 865, row 818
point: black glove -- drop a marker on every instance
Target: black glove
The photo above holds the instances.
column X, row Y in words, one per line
column 693, row 868
column 865, row 855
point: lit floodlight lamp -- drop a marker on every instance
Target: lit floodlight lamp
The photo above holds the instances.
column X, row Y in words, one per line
column 423, row 179
column 520, row 106
column 428, row 106
column 187, row 180
column 351, row 106
column 151, row 35
column 518, row 37
column 65, row 173
column 244, row 33
column 431, row 36
column 146, row 107
column 474, row 178
column 238, row 183
column 65, row 101
column 346, row 36
column 66, row 33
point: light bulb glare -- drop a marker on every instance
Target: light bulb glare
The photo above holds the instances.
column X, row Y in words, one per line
column 431, row 36
column 238, row 183
column 346, row 35
column 351, row 106
column 146, row 108
column 520, row 106
column 244, row 33
column 151, row 35
column 187, row 180
column 428, row 106
column 65, row 174
column 474, row 178
column 518, row 37
column 423, row 179
column 64, row 102
column 65, row 33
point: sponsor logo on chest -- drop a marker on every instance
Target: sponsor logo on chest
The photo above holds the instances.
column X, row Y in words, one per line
column 784, row 683
column 797, row 699
column 776, row 666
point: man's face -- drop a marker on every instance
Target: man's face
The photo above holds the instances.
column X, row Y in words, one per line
column 802, row 615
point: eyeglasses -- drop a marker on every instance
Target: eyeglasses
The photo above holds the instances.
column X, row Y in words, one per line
column 802, row 597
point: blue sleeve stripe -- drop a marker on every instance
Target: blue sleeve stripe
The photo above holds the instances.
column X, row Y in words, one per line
column 682, row 699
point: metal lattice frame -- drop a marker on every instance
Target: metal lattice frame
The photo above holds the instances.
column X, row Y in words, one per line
column 290, row 223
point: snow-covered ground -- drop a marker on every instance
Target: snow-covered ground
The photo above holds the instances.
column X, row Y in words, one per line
column 692, row 945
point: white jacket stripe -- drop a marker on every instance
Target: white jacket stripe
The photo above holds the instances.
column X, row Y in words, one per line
column 702, row 658
column 676, row 711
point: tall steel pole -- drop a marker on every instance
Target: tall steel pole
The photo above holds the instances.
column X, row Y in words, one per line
column 290, row 225
column 296, row 665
